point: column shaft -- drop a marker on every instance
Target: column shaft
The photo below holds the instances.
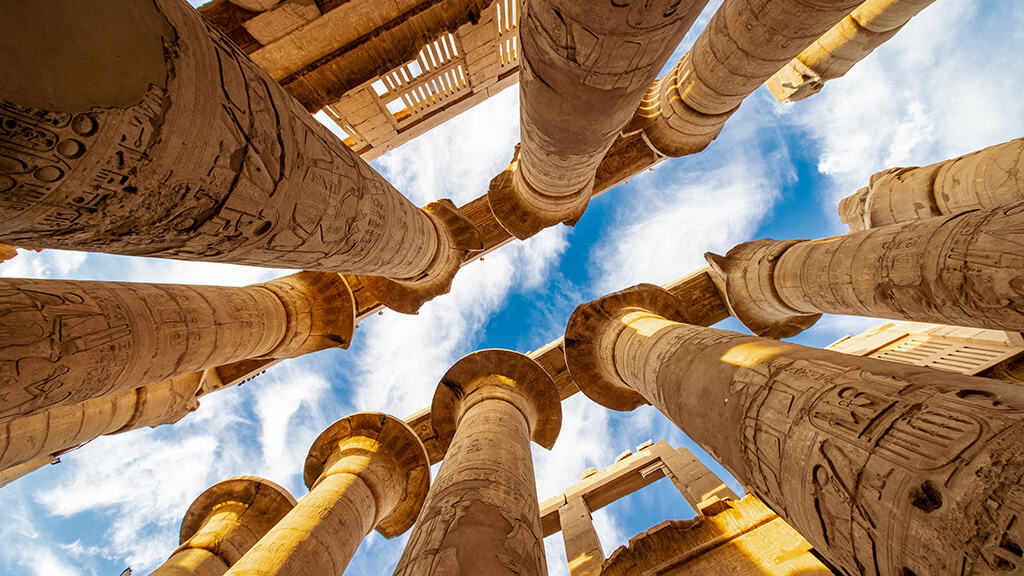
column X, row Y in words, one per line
column 869, row 26
column 582, row 545
column 986, row 179
column 481, row 515
column 742, row 46
column 160, row 138
column 192, row 562
column 885, row 468
column 319, row 536
column 584, row 69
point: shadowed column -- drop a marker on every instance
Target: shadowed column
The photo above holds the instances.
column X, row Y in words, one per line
column 837, row 51
column 366, row 471
column 481, row 515
column 965, row 270
column 224, row 523
column 743, row 45
column 885, row 468
column 63, row 342
column 584, row 68
column 160, row 138
column 986, row 179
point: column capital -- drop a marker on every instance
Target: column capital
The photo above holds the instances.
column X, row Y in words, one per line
column 489, row 371
column 320, row 311
column 590, row 339
column 399, row 481
column 748, row 272
column 264, row 502
column 457, row 235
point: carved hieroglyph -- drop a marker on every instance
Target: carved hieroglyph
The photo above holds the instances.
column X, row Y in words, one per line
column 886, row 469
column 869, row 26
column 964, row 270
column 989, row 178
column 743, row 45
column 160, row 138
column 366, row 471
column 481, row 515
column 63, row 341
column 223, row 524
column 585, row 66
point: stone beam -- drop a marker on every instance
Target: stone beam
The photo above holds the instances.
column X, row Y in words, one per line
column 481, row 515
column 961, row 270
column 837, row 51
column 583, row 71
column 986, row 179
column 900, row 468
column 189, row 150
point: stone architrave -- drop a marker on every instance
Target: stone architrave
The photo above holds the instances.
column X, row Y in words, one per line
column 63, row 341
column 160, row 138
column 223, row 524
column 837, row 51
column 582, row 545
column 885, row 468
column 584, row 68
column 961, row 270
column 982, row 180
column 481, row 515
column 742, row 46
column 366, row 471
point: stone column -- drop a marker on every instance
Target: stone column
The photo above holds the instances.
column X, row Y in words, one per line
column 584, row 68
column 482, row 515
column 224, row 523
column 965, row 270
column 885, row 468
column 986, row 179
column 366, row 471
column 63, row 342
column 160, row 138
column 582, row 545
column 742, row 46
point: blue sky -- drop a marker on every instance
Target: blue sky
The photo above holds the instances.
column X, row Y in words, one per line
column 948, row 84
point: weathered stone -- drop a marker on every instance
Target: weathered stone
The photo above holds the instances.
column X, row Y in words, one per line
column 63, row 342
column 366, row 471
column 582, row 545
column 223, row 524
column 481, row 515
column 881, row 466
column 962, row 270
column 986, row 179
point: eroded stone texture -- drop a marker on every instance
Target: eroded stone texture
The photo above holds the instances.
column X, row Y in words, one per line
column 739, row 538
column 63, row 342
column 886, row 469
column 223, row 524
column 585, row 66
column 743, row 45
column 962, row 270
column 481, row 515
column 986, row 179
column 366, row 471
column 163, row 139
column 869, row 26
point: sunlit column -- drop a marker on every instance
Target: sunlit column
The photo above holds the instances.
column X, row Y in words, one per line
column 837, row 51
column 140, row 130
column 584, row 68
column 481, row 515
column 224, row 523
column 742, row 46
column 64, row 342
column 582, row 545
column 366, row 471
column 885, row 468
column 965, row 270
column 986, row 179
